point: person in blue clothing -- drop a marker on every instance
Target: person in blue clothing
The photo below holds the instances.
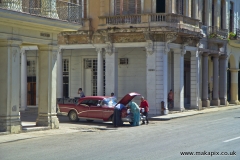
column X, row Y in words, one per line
column 134, row 108
column 117, row 120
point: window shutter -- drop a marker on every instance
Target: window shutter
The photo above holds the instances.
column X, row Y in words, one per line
column 117, row 7
column 85, row 8
column 132, row 7
column 139, row 7
column 125, row 7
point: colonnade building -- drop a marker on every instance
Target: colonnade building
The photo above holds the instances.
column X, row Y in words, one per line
column 120, row 46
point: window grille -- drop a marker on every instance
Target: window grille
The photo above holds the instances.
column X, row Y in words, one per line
column 124, row 7
column 31, row 68
column 65, row 65
column 123, row 61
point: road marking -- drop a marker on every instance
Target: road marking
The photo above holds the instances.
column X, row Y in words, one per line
column 232, row 139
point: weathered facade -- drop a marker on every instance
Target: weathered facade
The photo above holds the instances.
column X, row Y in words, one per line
column 152, row 46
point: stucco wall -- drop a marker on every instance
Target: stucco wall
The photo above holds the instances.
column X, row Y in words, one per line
column 132, row 77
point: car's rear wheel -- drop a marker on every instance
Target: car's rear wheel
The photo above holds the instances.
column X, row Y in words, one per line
column 73, row 117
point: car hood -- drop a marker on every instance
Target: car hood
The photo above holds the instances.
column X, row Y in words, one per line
column 128, row 97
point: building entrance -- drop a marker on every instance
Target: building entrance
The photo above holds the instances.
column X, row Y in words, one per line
column 90, row 74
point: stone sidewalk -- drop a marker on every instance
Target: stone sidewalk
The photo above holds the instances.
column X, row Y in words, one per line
column 30, row 130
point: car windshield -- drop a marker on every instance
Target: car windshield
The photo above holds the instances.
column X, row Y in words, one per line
column 109, row 102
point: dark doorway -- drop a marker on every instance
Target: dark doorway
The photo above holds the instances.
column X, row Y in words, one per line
column 31, row 91
column 160, row 6
column 228, row 84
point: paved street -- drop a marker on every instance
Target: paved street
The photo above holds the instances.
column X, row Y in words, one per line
column 216, row 132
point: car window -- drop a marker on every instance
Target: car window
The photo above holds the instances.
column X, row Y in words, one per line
column 93, row 102
column 85, row 102
column 109, row 102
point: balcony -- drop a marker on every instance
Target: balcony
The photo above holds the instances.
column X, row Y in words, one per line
column 53, row 9
column 153, row 21
column 216, row 32
column 234, row 38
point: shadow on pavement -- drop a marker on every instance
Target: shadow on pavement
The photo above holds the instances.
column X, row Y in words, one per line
column 29, row 120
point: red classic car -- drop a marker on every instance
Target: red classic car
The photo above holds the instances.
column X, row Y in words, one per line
column 96, row 108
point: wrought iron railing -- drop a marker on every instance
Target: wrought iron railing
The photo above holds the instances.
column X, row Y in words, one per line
column 56, row 9
column 150, row 20
column 216, row 32
column 124, row 19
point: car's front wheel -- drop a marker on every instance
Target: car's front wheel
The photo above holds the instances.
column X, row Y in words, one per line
column 73, row 117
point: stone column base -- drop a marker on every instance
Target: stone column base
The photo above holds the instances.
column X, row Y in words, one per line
column 234, row 102
column 48, row 120
column 10, row 124
column 223, row 101
column 205, row 103
column 215, row 102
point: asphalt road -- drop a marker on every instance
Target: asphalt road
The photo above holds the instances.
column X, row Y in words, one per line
column 212, row 133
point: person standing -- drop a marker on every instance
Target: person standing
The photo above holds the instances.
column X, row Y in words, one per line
column 117, row 120
column 144, row 105
column 135, row 110
column 81, row 93
column 170, row 99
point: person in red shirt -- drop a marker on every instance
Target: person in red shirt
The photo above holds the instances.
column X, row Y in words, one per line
column 144, row 104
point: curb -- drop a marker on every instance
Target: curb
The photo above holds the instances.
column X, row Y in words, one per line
column 32, row 129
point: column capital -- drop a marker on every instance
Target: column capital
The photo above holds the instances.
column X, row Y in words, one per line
column 149, row 47
column 205, row 54
column 223, row 56
column 110, row 49
column 99, row 50
column 233, row 69
column 215, row 55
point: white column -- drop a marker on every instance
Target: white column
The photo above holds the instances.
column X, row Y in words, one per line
column 217, row 12
column 178, row 79
column 195, row 72
column 187, row 8
column 47, row 115
column 100, row 72
column 59, row 75
column 205, row 100
column 111, row 76
column 208, row 12
column 195, row 9
column 151, row 79
column 23, row 80
column 234, row 85
column 165, row 77
column 225, row 14
column 10, row 86
column 223, row 79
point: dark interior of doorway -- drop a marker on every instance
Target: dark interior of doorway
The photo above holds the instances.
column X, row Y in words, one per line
column 31, row 90
column 228, row 84
column 160, row 6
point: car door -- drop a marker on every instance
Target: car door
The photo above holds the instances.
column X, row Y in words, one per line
column 95, row 110
column 83, row 108
column 108, row 107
